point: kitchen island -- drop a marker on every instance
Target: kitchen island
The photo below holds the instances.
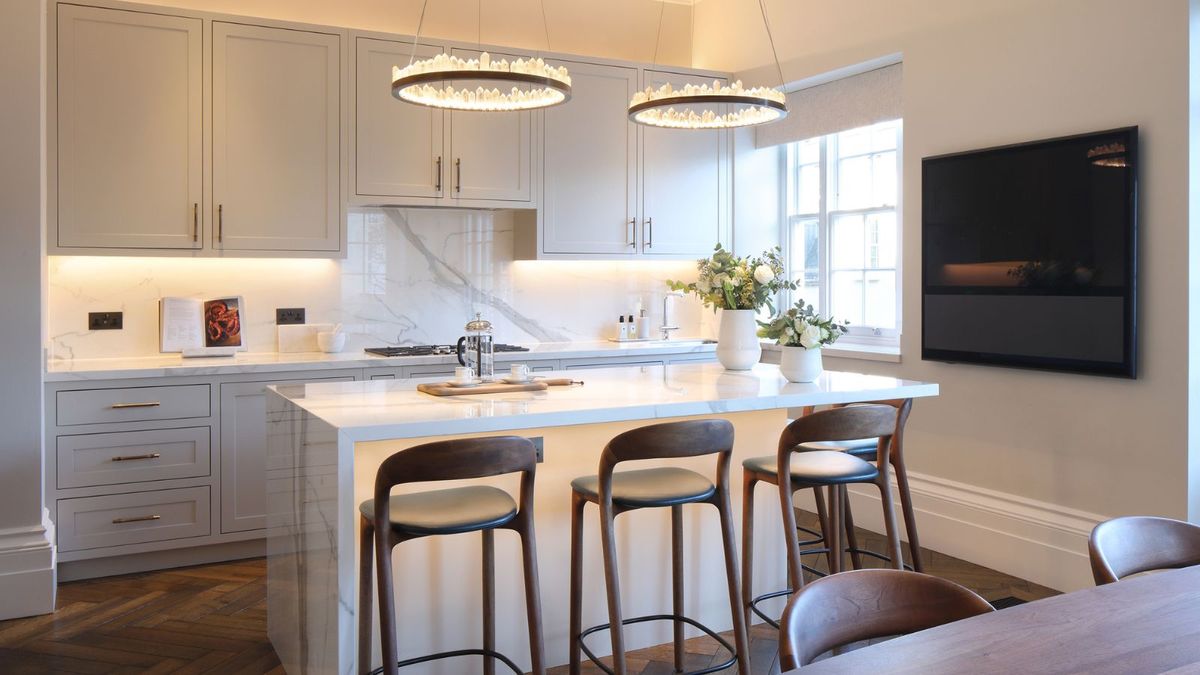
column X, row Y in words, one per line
column 326, row 441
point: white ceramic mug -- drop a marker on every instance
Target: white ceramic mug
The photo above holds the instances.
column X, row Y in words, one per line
column 330, row 342
column 464, row 374
column 518, row 371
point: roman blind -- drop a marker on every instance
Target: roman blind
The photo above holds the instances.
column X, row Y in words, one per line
column 846, row 103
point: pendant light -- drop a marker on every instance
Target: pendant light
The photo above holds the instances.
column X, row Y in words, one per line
column 695, row 106
column 444, row 81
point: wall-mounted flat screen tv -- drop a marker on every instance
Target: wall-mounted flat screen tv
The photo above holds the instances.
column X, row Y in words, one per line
column 1029, row 255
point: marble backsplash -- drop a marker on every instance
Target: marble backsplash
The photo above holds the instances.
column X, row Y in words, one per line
column 411, row 276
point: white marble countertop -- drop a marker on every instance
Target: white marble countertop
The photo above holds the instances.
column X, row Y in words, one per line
column 379, row 410
column 165, row 365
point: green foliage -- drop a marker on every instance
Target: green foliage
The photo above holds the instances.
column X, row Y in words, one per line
column 729, row 282
column 801, row 326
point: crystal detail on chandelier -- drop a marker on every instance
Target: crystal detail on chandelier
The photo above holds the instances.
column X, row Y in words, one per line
column 550, row 85
column 667, row 115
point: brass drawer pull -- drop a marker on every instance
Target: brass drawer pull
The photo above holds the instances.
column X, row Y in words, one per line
column 136, row 519
column 128, row 458
column 146, row 404
column 195, row 221
column 458, row 174
column 438, row 186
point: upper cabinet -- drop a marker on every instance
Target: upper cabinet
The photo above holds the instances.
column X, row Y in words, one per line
column 129, row 129
column 147, row 161
column 276, row 132
column 412, row 155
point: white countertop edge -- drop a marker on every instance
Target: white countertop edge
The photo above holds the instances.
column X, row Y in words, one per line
column 168, row 365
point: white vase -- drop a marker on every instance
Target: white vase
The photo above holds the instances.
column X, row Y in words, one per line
column 737, row 339
column 800, row 365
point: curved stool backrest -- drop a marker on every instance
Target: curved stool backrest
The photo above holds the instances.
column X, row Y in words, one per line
column 1132, row 544
column 865, row 604
column 689, row 438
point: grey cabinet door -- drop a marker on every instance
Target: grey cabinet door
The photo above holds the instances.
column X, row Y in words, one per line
column 244, row 453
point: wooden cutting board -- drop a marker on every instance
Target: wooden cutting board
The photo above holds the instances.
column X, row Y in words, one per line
column 443, row 389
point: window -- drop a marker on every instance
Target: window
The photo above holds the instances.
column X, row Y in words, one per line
column 843, row 230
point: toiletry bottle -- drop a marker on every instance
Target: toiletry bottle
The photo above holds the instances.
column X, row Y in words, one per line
column 622, row 333
column 630, row 328
column 643, row 325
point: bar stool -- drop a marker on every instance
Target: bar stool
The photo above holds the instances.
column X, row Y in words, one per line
column 809, row 468
column 481, row 508
column 618, row 492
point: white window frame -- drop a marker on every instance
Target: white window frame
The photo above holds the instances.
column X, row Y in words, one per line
column 857, row 335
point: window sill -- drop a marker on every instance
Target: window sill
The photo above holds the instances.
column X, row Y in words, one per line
column 852, row 351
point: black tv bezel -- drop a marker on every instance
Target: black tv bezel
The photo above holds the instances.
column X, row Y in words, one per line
column 1127, row 368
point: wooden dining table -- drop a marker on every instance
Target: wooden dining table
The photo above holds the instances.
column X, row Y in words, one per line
column 1146, row 624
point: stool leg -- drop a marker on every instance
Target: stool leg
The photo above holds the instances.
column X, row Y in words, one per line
column 489, row 599
column 851, row 535
column 823, row 518
column 577, row 504
column 533, row 596
column 889, row 521
column 366, row 546
column 748, row 484
column 834, row 535
column 906, row 506
column 741, row 639
column 677, row 581
column 608, row 540
column 387, row 603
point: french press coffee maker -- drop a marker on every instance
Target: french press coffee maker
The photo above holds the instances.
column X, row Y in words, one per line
column 475, row 349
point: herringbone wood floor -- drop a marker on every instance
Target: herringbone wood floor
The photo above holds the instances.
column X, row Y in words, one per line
column 213, row 619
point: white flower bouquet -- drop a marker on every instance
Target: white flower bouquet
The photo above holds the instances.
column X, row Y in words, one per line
column 801, row 326
column 729, row 282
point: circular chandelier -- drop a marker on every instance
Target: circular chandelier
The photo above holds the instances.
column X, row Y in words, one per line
column 719, row 106
column 445, row 81
column 657, row 107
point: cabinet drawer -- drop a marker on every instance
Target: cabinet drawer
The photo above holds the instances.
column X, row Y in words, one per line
column 134, row 518
column 109, row 459
column 131, row 404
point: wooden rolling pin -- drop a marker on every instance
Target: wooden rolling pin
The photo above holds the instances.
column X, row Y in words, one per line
column 557, row 381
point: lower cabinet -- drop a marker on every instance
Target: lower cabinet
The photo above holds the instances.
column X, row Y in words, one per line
column 244, row 452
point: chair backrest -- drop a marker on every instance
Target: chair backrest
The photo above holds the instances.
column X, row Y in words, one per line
column 455, row 459
column 844, row 608
column 1124, row 546
column 844, row 424
column 689, row 438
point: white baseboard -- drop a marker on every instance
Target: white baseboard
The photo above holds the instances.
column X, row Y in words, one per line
column 1034, row 540
column 27, row 570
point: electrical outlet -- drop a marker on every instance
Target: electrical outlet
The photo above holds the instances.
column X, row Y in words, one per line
column 289, row 315
column 105, row 321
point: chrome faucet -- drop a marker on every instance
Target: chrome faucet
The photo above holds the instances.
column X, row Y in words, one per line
column 664, row 329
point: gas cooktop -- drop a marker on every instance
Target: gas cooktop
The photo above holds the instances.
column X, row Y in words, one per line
column 434, row 350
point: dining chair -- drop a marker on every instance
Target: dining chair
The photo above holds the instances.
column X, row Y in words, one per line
column 845, row 608
column 1124, row 546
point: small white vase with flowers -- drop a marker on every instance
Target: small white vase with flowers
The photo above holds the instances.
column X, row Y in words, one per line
column 801, row 333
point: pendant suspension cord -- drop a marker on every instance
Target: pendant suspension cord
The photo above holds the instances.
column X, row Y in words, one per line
column 479, row 24
column 546, row 27
column 762, row 5
column 692, row 37
column 658, row 36
column 420, row 24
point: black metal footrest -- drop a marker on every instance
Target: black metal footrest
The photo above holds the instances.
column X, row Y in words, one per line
column 661, row 617
column 451, row 654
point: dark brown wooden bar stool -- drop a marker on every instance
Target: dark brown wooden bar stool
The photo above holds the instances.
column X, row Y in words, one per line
column 1131, row 545
column 809, row 468
column 480, row 508
column 616, row 493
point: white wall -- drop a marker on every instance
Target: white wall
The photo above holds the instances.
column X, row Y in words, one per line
column 26, row 556
column 990, row 72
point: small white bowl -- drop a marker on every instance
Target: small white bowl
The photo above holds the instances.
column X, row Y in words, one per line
column 330, row 342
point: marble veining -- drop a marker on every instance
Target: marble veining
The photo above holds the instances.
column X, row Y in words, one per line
column 410, row 276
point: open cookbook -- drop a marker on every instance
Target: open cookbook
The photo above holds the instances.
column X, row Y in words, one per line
column 200, row 327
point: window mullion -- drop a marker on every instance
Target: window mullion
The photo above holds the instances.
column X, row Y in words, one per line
column 825, row 240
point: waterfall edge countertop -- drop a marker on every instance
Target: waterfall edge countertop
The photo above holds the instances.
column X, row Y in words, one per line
column 168, row 365
column 383, row 410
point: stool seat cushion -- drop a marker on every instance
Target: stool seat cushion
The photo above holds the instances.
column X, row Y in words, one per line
column 663, row 486
column 865, row 448
column 820, row 467
column 464, row 509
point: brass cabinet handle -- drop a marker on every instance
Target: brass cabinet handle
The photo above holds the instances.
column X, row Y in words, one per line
column 135, row 519
column 458, row 174
column 649, row 232
column 632, row 235
column 195, row 221
column 129, row 458
column 438, row 186
column 146, row 404
column 220, row 221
